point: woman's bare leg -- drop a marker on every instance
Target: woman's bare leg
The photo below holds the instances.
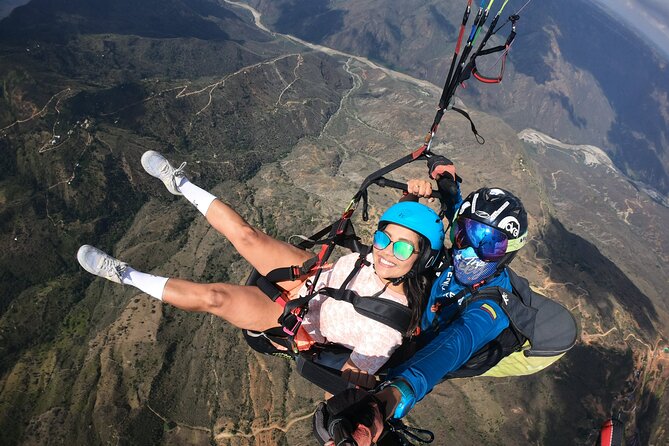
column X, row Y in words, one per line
column 262, row 251
column 243, row 306
column 265, row 253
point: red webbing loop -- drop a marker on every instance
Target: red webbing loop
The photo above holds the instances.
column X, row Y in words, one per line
column 491, row 80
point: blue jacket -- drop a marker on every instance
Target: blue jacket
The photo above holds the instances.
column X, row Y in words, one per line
column 447, row 346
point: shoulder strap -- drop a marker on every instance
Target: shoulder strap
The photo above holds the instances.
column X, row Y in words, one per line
column 388, row 312
column 301, row 302
column 521, row 316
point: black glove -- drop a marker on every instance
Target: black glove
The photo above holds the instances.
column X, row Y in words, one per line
column 447, row 187
column 446, row 184
column 434, row 162
column 342, row 415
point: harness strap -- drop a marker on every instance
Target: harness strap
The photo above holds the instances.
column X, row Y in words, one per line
column 292, row 272
column 295, row 310
column 362, row 261
column 388, row 312
column 272, row 291
column 480, row 139
column 453, row 299
column 472, row 290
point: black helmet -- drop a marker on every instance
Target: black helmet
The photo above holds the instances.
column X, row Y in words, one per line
column 499, row 209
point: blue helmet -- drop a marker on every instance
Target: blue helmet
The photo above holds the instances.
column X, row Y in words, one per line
column 422, row 220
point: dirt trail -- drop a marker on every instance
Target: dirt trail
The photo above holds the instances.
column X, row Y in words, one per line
column 257, row 430
column 181, row 425
column 43, row 110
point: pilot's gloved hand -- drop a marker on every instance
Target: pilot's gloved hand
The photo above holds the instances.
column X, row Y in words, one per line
column 439, row 166
column 442, row 170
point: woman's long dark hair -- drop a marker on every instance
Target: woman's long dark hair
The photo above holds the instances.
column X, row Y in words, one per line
column 417, row 283
column 417, row 286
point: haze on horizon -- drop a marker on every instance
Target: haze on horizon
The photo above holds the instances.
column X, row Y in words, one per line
column 650, row 18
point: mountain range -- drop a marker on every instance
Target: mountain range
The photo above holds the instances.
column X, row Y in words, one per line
column 285, row 131
column 574, row 71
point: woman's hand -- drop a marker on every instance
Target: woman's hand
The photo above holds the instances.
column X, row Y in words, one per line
column 420, row 188
column 358, row 377
column 361, row 379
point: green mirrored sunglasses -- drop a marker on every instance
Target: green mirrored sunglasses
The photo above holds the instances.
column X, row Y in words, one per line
column 402, row 249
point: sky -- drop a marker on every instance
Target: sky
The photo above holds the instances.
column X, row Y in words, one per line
column 648, row 17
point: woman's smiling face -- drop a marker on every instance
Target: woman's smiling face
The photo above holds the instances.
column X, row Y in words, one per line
column 386, row 264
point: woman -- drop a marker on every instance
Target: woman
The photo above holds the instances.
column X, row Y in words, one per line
column 406, row 244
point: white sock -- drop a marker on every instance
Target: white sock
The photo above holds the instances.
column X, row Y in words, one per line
column 199, row 197
column 150, row 284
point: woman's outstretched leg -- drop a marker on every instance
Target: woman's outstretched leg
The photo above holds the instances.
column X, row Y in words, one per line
column 243, row 306
column 101, row 264
column 265, row 253
column 259, row 249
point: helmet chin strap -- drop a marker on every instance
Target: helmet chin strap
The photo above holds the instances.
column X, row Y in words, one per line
column 505, row 262
column 399, row 280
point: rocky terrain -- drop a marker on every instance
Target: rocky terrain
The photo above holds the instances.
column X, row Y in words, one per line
column 284, row 132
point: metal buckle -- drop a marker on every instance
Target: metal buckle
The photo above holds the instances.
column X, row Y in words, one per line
column 298, row 315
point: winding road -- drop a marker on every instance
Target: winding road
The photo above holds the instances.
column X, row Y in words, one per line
column 333, row 52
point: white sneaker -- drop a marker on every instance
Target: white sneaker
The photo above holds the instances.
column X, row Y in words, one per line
column 100, row 263
column 157, row 166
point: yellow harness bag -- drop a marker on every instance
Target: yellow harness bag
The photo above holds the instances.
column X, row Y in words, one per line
column 541, row 331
